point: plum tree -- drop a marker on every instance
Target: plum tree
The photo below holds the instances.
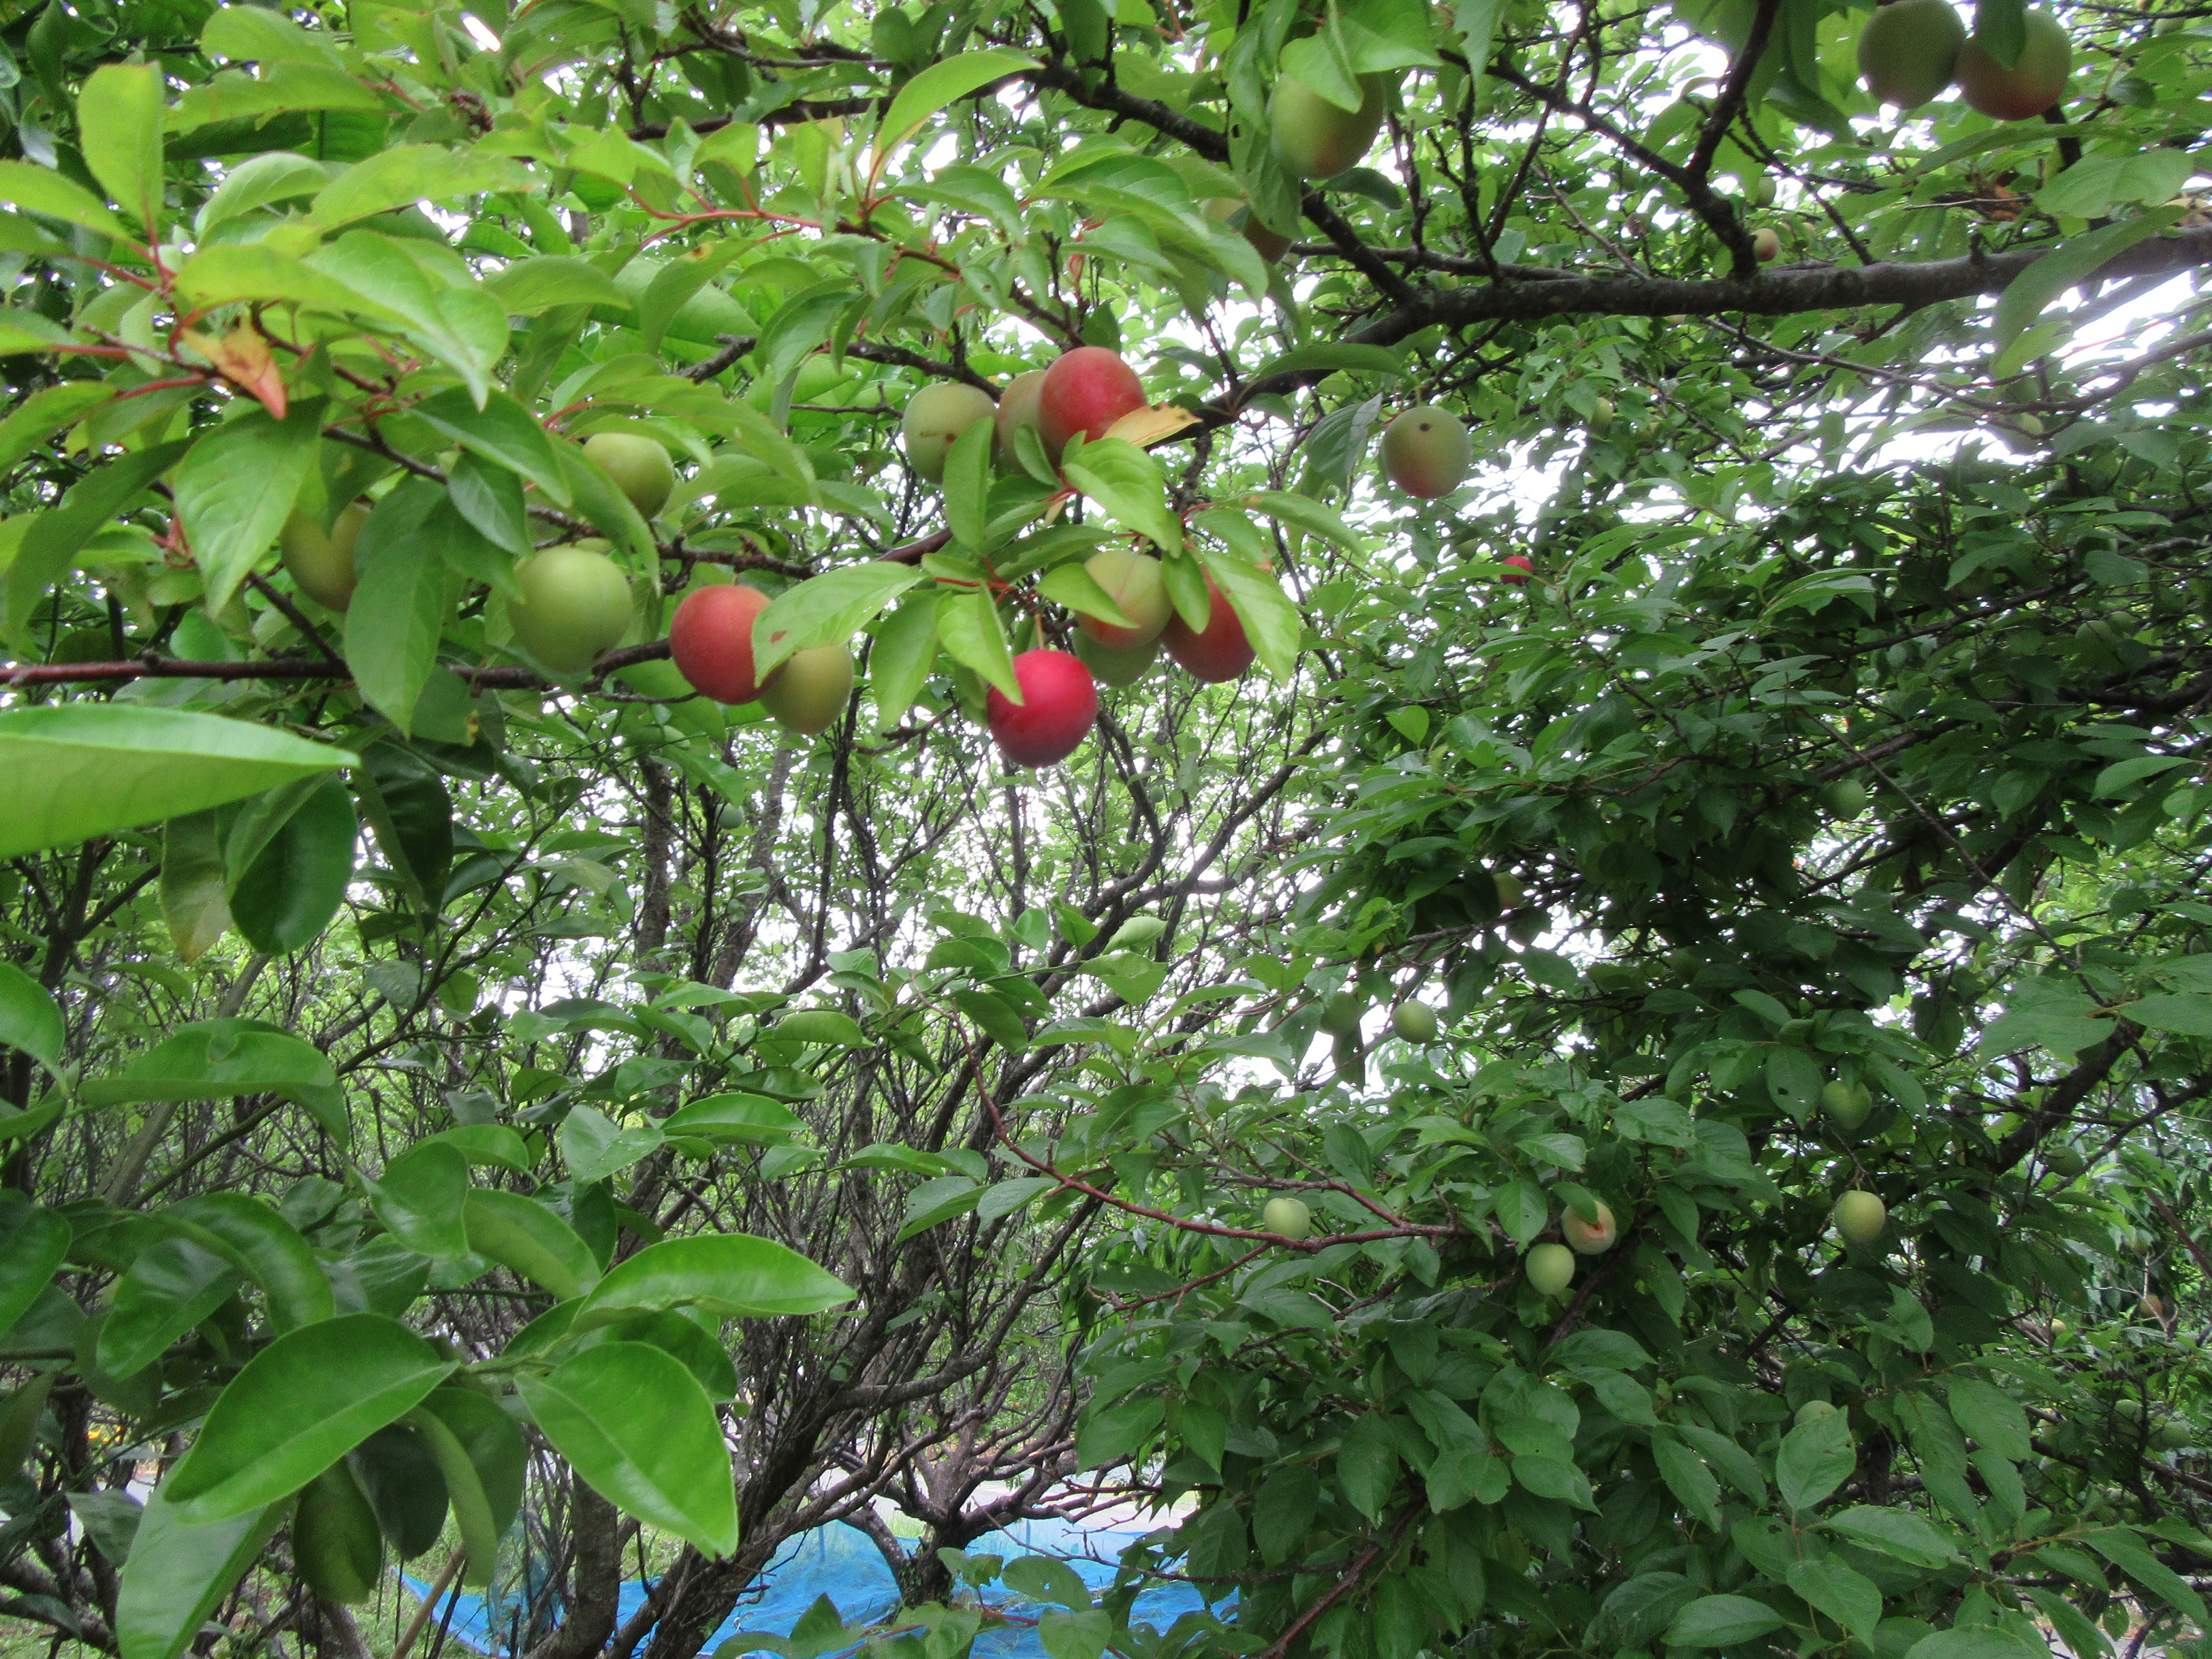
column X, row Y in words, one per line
column 1416, row 1022
column 935, row 417
column 320, row 562
column 1059, row 706
column 1237, row 213
column 1320, row 139
column 1551, row 1268
column 1018, row 408
column 1116, row 668
column 1134, row 581
column 1590, row 1237
column 1767, row 245
column 1217, row 653
column 1909, row 51
column 638, row 465
column 575, row 602
column 710, row 638
column 1860, row 1216
column 1086, row 391
column 1287, row 1217
column 1427, row 451
column 809, row 690
column 2036, row 81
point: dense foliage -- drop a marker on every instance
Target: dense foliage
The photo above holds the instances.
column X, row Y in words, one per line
column 471, row 1102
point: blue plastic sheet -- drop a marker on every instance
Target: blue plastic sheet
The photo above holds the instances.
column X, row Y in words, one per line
column 839, row 1561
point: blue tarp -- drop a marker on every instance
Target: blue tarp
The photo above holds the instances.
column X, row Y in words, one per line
column 840, row 1562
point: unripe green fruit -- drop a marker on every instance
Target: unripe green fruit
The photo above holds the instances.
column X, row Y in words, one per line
column 2031, row 85
column 2064, row 1159
column 1318, row 138
column 1427, row 451
column 1510, row 891
column 935, row 417
column 817, row 375
column 1845, row 798
column 2172, row 1436
column 809, row 691
column 638, row 464
column 1812, row 1412
column 1135, row 582
column 1233, row 212
column 1287, row 1217
column 1767, row 245
column 1017, row 407
column 1908, row 51
column 1847, row 1105
column 574, row 604
column 321, row 564
column 335, row 1541
column 1860, row 1216
column 1760, row 190
column 1416, row 1022
column 1341, row 1014
column 1600, row 419
column 1590, row 1238
column 1115, row 668
column 1551, row 1268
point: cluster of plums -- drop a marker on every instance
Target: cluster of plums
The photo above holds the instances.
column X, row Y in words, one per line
column 1911, row 50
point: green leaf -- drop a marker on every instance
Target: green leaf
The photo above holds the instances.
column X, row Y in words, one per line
column 968, row 626
column 407, row 174
column 936, row 1202
column 1991, row 1415
column 1129, row 485
column 1848, row 1598
column 54, row 538
column 936, row 88
column 492, row 1144
column 30, row 1020
column 826, row 609
column 1793, row 1078
column 1331, row 357
column 1006, row 1197
column 179, row 1573
column 2186, row 1013
column 1687, row 1477
column 33, row 1243
column 521, row 1233
column 262, row 1244
column 2000, row 29
column 1896, row 1532
column 294, row 885
column 1816, row 1458
column 171, row 1285
column 503, row 433
column 299, row 1405
column 119, row 113
column 904, row 651
column 236, row 487
column 420, row 1197
column 1074, row 1635
column 44, row 413
column 221, row 1059
column 2126, row 1550
column 2064, row 267
column 43, row 191
column 398, row 608
column 641, row 1431
column 1045, row 1579
column 1976, row 1641
column 195, row 890
column 103, row 767
column 732, row 1275
column 1271, row 622
column 1722, row 1621
column 596, row 1148
column 472, row 1513
column 748, row 1118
